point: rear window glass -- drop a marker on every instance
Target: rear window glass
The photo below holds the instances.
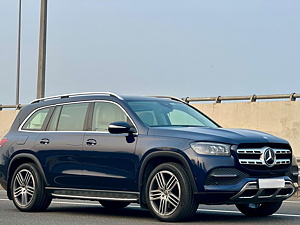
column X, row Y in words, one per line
column 36, row 121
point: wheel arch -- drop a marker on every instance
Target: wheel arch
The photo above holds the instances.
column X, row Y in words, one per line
column 18, row 160
column 156, row 158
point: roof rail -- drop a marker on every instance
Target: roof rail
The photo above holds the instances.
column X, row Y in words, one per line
column 171, row 97
column 76, row 94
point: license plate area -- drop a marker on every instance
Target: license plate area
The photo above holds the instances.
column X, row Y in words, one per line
column 271, row 183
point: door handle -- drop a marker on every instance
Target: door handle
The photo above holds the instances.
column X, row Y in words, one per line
column 91, row 142
column 45, row 141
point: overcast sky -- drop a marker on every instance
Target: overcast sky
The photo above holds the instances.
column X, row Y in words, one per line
column 160, row 47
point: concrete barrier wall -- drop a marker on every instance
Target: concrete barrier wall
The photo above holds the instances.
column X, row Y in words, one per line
column 281, row 118
column 6, row 119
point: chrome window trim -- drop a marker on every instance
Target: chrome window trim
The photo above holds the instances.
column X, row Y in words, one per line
column 76, row 102
column 43, row 107
column 108, row 101
column 27, row 118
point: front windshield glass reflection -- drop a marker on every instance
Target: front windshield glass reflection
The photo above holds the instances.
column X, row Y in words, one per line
column 157, row 113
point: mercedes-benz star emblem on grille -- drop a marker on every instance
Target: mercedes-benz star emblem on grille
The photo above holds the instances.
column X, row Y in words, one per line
column 269, row 157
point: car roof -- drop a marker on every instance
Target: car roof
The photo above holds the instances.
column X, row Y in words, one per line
column 78, row 97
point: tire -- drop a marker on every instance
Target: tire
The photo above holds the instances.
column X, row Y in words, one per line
column 169, row 194
column 114, row 204
column 259, row 209
column 28, row 189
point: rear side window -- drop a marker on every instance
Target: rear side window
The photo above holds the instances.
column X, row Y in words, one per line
column 36, row 121
column 69, row 117
column 54, row 119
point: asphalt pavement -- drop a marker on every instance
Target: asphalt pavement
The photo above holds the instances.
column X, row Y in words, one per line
column 91, row 212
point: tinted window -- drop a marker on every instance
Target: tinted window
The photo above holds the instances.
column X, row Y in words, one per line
column 54, row 120
column 178, row 117
column 71, row 117
column 36, row 121
column 169, row 113
column 106, row 113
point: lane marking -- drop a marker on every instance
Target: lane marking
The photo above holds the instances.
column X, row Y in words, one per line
column 287, row 215
column 217, row 210
column 198, row 210
column 295, row 202
column 237, row 212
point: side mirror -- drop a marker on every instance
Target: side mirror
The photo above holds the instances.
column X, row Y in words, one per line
column 119, row 127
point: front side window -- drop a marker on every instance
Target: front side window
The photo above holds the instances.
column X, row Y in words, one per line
column 106, row 113
column 36, row 121
column 155, row 113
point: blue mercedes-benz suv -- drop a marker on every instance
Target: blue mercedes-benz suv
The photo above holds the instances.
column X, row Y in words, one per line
column 159, row 152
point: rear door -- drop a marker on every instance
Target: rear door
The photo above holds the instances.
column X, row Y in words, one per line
column 59, row 147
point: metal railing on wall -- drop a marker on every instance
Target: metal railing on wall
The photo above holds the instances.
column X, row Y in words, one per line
column 251, row 98
column 11, row 107
column 218, row 99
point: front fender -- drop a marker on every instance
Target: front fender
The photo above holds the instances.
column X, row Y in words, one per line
column 157, row 157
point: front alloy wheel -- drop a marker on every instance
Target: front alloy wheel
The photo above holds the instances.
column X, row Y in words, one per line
column 169, row 194
column 164, row 193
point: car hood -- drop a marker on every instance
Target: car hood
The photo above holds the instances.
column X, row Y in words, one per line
column 222, row 135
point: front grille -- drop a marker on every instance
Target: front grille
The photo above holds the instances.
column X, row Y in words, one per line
column 264, row 158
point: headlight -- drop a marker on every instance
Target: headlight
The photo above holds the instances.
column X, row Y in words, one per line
column 210, row 148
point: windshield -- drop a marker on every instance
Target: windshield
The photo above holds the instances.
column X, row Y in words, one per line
column 160, row 112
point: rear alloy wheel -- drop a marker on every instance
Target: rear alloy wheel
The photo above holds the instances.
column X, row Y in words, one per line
column 27, row 189
column 114, row 204
column 259, row 209
column 169, row 194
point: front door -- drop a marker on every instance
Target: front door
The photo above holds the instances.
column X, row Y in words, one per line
column 109, row 160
